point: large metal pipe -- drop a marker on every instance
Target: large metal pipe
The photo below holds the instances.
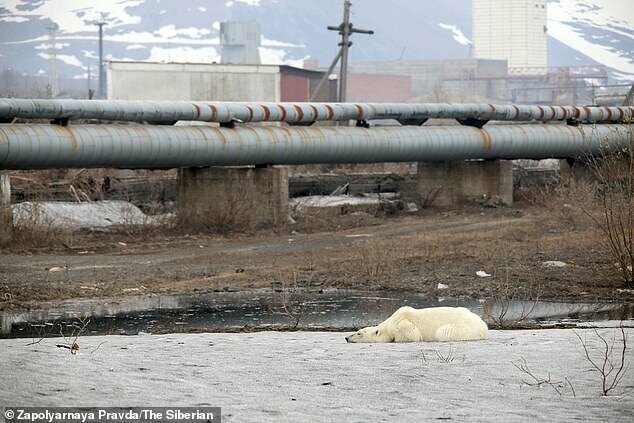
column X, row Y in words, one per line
column 36, row 146
column 169, row 111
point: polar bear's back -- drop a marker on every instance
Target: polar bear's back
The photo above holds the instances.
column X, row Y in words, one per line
column 443, row 323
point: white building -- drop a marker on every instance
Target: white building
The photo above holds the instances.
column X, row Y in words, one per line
column 212, row 82
column 512, row 30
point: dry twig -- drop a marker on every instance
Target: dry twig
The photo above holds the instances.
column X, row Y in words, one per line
column 611, row 371
column 537, row 380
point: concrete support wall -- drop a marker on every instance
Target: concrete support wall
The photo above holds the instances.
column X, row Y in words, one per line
column 458, row 182
column 6, row 217
column 576, row 172
column 233, row 199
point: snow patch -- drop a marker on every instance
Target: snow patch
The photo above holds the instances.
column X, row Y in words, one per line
column 184, row 54
column 16, row 19
column 266, row 42
column 170, row 31
column 274, row 56
column 458, row 35
column 58, row 46
column 255, row 3
column 65, row 58
column 100, row 214
column 554, row 263
column 338, row 200
column 71, row 15
column 612, row 16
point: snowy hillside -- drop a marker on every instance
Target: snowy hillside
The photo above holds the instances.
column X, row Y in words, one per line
column 581, row 31
column 601, row 30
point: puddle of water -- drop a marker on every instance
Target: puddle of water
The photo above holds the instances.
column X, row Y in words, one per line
column 264, row 309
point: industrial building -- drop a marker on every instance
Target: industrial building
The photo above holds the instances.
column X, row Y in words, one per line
column 204, row 81
column 240, row 42
column 365, row 87
column 511, row 30
column 476, row 80
column 427, row 76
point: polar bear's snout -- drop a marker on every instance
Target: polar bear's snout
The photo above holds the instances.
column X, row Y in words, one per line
column 348, row 338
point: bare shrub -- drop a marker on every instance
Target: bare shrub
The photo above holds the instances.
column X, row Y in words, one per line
column 78, row 327
column 449, row 357
column 143, row 227
column 291, row 301
column 426, row 199
column 536, row 380
column 378, row 258
column 497, row 310
column 611, row 369
column 32, row 228
column 615, row 217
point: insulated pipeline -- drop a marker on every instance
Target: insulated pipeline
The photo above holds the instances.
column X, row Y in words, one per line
column 40, row 146
column 172, row 111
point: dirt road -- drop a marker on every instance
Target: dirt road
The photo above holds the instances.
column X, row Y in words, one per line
column 411, row 253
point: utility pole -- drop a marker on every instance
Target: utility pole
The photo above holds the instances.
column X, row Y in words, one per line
column 629, row 98
column 53, row 82
column 91, row 92
column 346, row 29
column 101, row 91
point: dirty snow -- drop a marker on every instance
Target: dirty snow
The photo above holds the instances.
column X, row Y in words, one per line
column 316, row 376
column 339, row 200
column 98, row 214
column 554, row 263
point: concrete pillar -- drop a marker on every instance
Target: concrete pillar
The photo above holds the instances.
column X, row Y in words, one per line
column 233, row 198
column 5, row 324
column 458, row 182
column 6, row 216
column 576, row 172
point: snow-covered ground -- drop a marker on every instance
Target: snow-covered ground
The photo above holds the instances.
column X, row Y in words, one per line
column 317, row 377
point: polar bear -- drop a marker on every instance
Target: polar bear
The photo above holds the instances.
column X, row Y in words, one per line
column 408, row 324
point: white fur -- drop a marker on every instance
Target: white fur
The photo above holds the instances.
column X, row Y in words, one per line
column 408, row 324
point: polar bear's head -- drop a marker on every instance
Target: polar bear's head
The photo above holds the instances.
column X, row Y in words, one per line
column 370, row 334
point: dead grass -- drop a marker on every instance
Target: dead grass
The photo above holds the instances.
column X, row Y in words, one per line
column 553, row 226
column 378, row 258
column 35, row 230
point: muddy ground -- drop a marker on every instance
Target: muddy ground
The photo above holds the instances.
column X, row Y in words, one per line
column 340, row 248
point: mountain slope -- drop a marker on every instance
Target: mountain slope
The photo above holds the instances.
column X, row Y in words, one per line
column 582, row 32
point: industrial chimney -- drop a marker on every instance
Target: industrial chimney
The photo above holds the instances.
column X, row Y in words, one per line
column 240, row 42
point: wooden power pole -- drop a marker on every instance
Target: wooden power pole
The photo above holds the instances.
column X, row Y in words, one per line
column 346, row 29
